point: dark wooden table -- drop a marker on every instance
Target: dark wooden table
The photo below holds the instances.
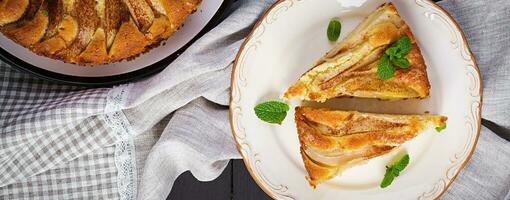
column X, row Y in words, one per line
column 234, row 183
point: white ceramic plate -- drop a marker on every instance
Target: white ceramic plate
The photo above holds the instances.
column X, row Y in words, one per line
column 193, row 25
column 290, row 37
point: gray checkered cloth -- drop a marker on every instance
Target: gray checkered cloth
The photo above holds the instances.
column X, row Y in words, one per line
column 132, row 141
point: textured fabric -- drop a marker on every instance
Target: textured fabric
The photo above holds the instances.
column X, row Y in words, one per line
column 89, row 177
column 51, row 142
column 197, row 137
column 196, row 147
column 63, row 142
column 47, row 126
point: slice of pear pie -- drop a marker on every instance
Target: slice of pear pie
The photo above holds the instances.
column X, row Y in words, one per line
column 333, row 140
column 351, row 67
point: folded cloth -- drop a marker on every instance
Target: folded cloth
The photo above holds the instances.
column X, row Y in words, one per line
column 132, row 141
column 61, row 142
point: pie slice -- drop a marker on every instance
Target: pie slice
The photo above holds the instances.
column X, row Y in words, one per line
column 332, row 140
column 350, row 68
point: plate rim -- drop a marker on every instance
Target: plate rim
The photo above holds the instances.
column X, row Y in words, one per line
column 104, row 81
column 251, row 34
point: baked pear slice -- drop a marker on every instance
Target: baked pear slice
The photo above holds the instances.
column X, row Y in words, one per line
column 350, row 68
column 12, row 10
column 30, row 31
column 333, row 140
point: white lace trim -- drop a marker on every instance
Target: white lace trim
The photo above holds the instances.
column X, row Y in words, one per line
column 125, row 149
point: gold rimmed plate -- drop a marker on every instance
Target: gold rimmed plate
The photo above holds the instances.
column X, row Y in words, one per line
column 290, row 37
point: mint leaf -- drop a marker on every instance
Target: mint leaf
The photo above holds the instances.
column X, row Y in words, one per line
column 388, row 178
column 334, row 29
column 394, row 170
column 404, row 45
column 394, row 55
column 403, row 63
column 45, row 13
column 439, row 129
column 392, row 51
column 273, row 112
column 384, row 69
column 402, row 163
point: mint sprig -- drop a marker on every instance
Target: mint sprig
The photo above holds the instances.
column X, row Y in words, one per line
column 394, row 170
column 273, row 112
column 384, row 70
column 404, row 46
column 393, row 58
column 334, row 30
column 401, row 62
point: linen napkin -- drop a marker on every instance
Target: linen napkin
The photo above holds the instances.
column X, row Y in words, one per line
column 62, row 142
column 132, row 141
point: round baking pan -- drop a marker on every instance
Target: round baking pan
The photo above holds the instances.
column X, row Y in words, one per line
column 99, row 81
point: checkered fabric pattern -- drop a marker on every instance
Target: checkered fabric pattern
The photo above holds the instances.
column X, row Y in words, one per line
column 53, row 145
column 92, row 176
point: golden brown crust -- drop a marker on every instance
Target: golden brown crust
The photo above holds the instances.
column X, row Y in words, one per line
column 55, row 16
column 350, row 69
column 88, row 20
column 309, row 136
column 33, row 7
column 95, row 53
column 30, row 32
column 50, row 46
column 177, row 10
column 12, row 10
column 66, row 32
column 317, row 173
column 128, row 42
column 159, row 29
column 68, row 29
column 333, row 140
column 93, row 31
column 116, row 14
column 141, row 13
column 416, row 76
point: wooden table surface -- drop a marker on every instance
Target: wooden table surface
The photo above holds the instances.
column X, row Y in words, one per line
column 234, row 183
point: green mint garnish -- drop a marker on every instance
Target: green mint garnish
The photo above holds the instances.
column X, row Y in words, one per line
column 384, row 70
column 45, row 13
column 391, row 52
column 273, row 112
column 401, row 62
column 334, row 29
column 439, row 129
column 404, row 46
column 394, row 170
column 394, row 58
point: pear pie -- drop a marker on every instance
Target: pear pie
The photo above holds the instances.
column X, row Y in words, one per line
column 350, row 68
column 332, row 140
column 92, row 31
